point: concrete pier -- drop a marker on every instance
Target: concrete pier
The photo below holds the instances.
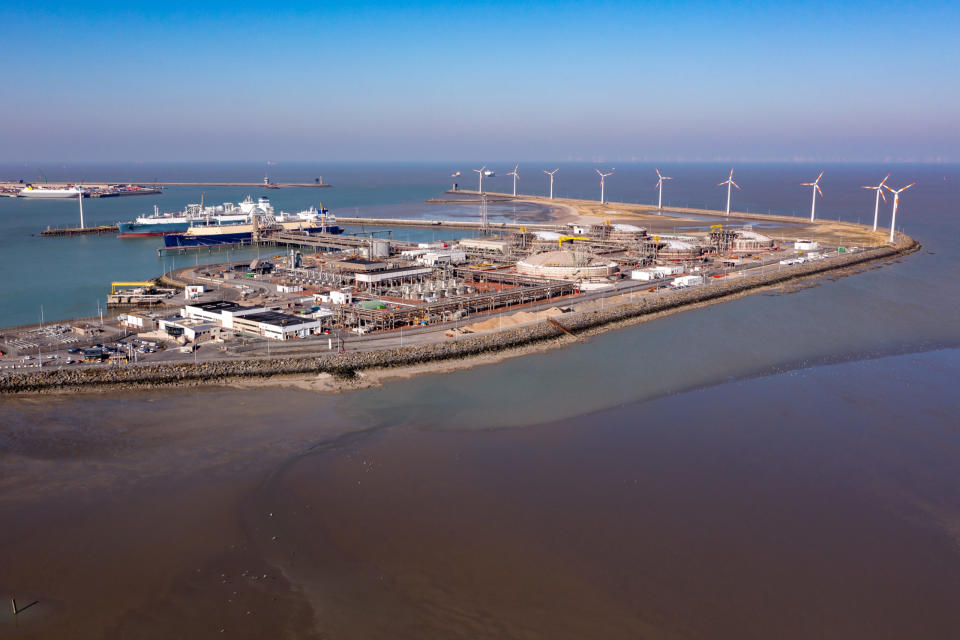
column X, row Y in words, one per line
column 446, row 224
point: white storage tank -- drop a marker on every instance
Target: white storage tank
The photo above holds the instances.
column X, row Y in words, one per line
column 380, row 249
column 806, row 245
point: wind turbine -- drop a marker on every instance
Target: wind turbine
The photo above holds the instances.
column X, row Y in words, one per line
column 603, row 177
column 896, row 201
column 730, row 183
column 516, row 176
column 455, row 174
column 551, row 174
column 816, row 189
column 480, row 171
column 876, row 208
column 660, row 179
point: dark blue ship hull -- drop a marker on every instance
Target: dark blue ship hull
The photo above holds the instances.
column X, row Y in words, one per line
column 175, row 240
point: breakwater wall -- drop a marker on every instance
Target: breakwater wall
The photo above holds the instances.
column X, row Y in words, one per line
column 347, row 364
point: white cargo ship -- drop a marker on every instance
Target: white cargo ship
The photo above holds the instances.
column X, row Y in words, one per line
column 31, row 191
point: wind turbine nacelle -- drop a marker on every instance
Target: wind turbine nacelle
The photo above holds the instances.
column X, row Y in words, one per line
column 489, row 174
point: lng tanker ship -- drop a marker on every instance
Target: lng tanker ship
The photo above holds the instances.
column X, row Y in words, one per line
column 161, row 224
column 212, row 234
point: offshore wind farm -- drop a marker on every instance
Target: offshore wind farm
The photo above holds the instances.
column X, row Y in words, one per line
column 471, row 321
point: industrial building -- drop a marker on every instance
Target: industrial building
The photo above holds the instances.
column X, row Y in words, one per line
column 276, row 326
column 221, row 312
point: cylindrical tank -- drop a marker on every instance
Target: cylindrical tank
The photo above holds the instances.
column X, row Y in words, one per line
column 379, row 248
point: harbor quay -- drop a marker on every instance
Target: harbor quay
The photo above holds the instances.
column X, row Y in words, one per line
column 20, row 189
column 111, row 189
column 325, row 298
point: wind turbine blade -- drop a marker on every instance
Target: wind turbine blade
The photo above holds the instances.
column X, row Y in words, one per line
column 884, row 180
column 908, row 186
column 883, row 195
column 819, row 191
column 735, row 184
column 720, row 184
column 806, row 184
column 819, row 176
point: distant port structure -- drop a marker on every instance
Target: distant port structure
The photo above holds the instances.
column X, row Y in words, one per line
column 108, row 189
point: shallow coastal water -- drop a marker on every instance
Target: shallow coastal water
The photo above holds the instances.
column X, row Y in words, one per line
column 818, row 501
column 781, row 465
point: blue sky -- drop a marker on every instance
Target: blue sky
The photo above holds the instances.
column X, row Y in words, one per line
column 525, row 80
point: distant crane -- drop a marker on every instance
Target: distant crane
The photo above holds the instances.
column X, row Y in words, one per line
column 481, row 171
column 660, row 179
column 730, row 183
column 896, row 201
column 551, row 174
column 880, row 194
column 603, row 178
column 516, row 176
column 816, row 189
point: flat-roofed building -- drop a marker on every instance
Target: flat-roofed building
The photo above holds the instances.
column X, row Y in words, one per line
column 359, row 265
column 276, row 326
column 396, row 275
column 220, row 311
column 484, row 246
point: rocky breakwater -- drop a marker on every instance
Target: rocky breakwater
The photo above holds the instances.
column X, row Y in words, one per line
column 345, row 365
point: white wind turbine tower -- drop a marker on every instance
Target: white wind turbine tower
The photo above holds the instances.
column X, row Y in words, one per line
column 896, row 201
column 551, row 174
column 516, row 176
column 730, row 183
column 480, row 171
column 603, row 178
column 660, row 179
column 876, row 208
column 816, row 189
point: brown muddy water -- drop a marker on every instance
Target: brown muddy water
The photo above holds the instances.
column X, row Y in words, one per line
column 819, row 502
